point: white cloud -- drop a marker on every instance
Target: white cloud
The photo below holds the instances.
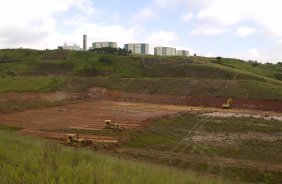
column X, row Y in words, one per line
column 207, row 30
column 146, row 14
column 253, row 53
column 75, row 20
column 36, row 27
column 245, row 31
column 187, row 17
column 264, row 13
column 110, row 33
column 163, row 38
column 272, row 56
column 222, row 12
column 29, row 23
column 176, row 3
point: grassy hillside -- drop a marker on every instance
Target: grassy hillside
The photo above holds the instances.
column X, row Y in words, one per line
column 27, row 70
column 246, row 89
column 25, row 160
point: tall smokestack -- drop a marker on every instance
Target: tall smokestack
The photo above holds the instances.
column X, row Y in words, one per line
column 85, row 42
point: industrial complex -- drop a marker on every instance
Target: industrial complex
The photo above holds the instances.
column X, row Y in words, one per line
column 135, row 48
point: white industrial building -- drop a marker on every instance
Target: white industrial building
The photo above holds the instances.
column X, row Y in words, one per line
column 165, row 51
column 137, row 48
column 70, row 47
column 182, row 53
column 98, row 45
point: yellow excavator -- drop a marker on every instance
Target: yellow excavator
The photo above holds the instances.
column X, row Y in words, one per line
column 228, row 104
column 73, row 140
column 111, row 125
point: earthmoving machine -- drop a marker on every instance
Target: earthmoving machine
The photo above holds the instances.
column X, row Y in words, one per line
column 111, row 125
column 73, row 140
column 228, row 104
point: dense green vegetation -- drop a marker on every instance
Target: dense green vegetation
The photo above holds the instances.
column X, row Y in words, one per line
column 111, row 50
column 25, row 160
column 43, row 71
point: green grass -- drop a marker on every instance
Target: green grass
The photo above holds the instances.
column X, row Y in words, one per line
column 181, row 87
column 9, row 128
column 267, row 70
column 69, row 63
column 172, row 139
column 29, row 84
column 26, row 160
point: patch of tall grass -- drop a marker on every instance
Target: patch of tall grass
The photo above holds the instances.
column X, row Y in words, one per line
column 25, row 160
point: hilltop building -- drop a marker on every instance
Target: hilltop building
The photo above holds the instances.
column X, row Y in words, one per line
column 182, row 53
column 165, row 51
column 98, row 45
column 70, row 47
column 137, row 48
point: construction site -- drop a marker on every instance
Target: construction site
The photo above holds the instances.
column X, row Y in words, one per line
column 220, row 127
column 100, row 105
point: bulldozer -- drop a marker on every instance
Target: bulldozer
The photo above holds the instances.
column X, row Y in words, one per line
column 73, row 140
column 111, row 125
column 228, row 104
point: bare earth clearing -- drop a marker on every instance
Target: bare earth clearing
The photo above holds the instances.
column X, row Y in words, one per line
column 90, row 115
column 87, row 116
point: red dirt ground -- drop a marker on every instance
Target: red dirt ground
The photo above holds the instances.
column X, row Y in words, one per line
column 266, row 105
column 129, row 110
column 91, row 115
column 87, row 115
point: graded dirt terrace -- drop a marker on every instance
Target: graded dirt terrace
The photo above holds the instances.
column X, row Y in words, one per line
column 90, row 115
column 86, row 116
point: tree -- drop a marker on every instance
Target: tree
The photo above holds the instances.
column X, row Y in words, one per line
column 219, row 58
column 111, row 50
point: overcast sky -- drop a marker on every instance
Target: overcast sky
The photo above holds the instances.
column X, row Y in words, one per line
column 247, row 29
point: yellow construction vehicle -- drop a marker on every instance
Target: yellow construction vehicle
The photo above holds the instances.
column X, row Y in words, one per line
column 73, row 140
column 228, row 104
column 111, row 125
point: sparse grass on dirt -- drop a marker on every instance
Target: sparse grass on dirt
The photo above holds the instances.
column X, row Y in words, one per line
column 26, row 160
column 30, row 84
column 241, row 149
column 181, row 87
column 7, row 107
column 88, row 132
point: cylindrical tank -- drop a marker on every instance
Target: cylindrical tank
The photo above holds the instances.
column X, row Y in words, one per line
column 84, row 42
